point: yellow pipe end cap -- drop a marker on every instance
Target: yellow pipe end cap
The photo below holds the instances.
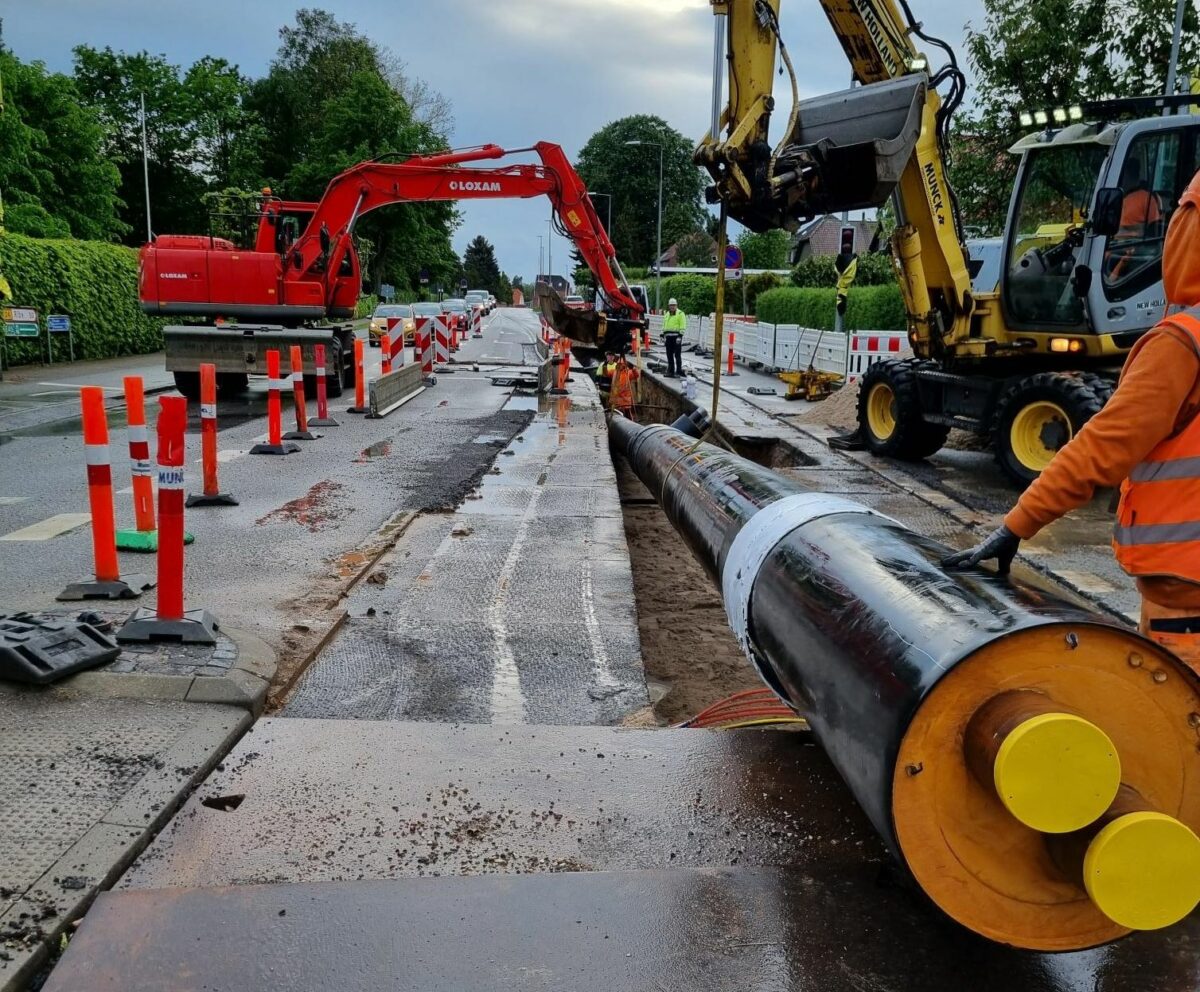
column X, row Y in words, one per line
column 1057, row 772
column 1143, row 870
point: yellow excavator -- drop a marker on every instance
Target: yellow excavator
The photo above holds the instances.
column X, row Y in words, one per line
column 1027, row 359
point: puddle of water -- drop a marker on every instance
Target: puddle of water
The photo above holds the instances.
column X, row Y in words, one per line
column 377, row 450
column 490, row 439
column 521, row 402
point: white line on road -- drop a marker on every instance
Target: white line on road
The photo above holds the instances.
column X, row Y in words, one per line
column 508, row 699
column 76, row 385
column 56, row 526
column 12, row 500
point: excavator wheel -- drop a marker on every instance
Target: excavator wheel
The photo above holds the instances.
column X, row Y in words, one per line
column 889, row 412
column 1036, row 415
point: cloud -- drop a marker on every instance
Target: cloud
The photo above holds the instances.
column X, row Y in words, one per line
column 516, row 72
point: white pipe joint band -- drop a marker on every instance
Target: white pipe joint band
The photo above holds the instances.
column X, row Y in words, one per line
column 757, row 539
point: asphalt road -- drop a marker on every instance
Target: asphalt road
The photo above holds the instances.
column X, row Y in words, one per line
column 252, row 564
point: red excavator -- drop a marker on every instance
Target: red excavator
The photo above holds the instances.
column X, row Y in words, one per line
column 303, row 267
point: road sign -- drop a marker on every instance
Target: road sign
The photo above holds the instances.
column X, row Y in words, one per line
column 20, row 329
column 19, row 315
column 733, row 257
column 386, row 292
column 463, row 285
column 58, row 323
column 424, row 277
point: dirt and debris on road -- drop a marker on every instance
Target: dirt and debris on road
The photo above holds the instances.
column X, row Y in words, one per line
column 316, row 509
column 687, row 646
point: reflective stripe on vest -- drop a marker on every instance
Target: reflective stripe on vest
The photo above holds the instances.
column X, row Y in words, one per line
column 1157, row 531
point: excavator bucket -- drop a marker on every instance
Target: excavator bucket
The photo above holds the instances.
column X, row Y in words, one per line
column 856, row 143
column 585, row 327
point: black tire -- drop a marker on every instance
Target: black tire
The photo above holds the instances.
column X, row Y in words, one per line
column 911, row 437
column 1024, row 446
column 232, row 384
column 188, row 383
column 1101, row 385
column 335, row 375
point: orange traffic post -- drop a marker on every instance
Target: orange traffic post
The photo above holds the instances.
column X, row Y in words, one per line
column 322, row 419
column 275, row 444
column 212, row 495
column 561, row 360
column 108, row 583
column 301, row 433
column 143, row 537
column 385, row 347
column 729, row 357
column 360, row 379
column 169, row 622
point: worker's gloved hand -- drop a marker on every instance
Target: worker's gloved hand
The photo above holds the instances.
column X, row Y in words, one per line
column 1000, row 544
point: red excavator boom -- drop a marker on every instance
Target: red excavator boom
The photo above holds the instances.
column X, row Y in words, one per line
column 304, row 267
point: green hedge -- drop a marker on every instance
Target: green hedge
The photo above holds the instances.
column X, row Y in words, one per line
column 366, row 306
column 818, row 272
column 871, row 308
column 92, row 281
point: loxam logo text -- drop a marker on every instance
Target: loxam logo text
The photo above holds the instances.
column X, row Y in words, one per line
column 474, row 186
column 935, row 194
column 172, row 275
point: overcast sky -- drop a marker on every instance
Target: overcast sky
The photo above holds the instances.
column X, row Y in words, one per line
column 516, row 71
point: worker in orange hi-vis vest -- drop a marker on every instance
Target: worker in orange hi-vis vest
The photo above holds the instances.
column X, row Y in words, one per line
column 620, row 394
column 1147, row 441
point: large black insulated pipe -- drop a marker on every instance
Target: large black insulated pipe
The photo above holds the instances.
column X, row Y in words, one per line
column 1026, row 758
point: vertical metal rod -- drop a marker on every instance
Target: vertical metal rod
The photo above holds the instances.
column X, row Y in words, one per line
column 1173, row 65
column 550, row 247
column 719, row 316
column 658, row 257
column 718, row 77
column 146, row 170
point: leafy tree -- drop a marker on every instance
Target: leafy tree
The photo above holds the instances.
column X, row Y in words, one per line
column 480, row 267
column 768, row 250
column 227, row 135
column 1032, row 54
column 695, row 250
column 113, row 83
column 55, row 179
column 609, row 164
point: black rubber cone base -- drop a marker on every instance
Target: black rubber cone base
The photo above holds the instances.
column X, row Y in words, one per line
column 323, row 422
column 300, row 436
column 203, row 499
column 144, row 625
column 358, row 409
column 290, row 448
column 129, row 587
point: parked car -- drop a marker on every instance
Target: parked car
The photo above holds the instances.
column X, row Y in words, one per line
column 456, row 310
column 379, row 322
column 575, row 300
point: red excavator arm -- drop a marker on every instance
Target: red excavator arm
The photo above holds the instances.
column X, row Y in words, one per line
column 296, row 275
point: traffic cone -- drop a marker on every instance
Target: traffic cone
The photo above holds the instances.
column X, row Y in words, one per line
column 169, row 622
column 322, row 419
column 301, row 433
column 274, row 445
column 360, row 379
column 212, row 495
column 108, row 583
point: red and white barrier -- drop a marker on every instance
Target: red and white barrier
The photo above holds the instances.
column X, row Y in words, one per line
column 423, row 346
column 476, row 322
column 867, row 349
column 441, row 341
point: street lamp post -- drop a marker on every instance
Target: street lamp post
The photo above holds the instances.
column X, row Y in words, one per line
column 607, row 196
column 658, row 256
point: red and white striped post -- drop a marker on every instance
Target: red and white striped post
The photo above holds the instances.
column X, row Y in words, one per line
column 729, row 357
column 441, row 343
column 275, row 444
column 360, row 378
column 108, row 583
column 322, row 419
column 212, row 495
column 169, row 622
column 424, row 345
column 301, row 433
column 385, row 343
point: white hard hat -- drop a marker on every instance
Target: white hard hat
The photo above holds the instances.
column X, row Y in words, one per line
column 672, row 302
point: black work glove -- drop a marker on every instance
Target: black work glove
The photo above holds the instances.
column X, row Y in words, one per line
column 1000, row 544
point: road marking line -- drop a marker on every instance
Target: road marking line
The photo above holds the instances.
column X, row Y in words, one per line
column 12, row 500
column 76, row 385
column 508, row 698
column 56, row 526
